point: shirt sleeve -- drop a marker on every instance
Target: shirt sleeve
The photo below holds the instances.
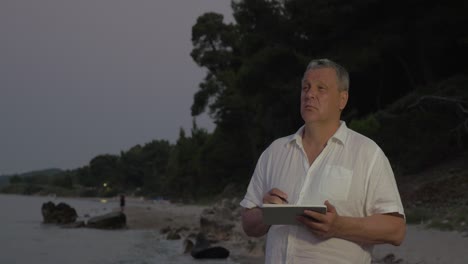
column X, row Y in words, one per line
column 254, row 196
column 382, row 192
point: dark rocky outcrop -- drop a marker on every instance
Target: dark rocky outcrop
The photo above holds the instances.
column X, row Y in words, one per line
column 58, row 214
column 77, row 224
column 188, row 246
column 173, row 235
column 217, row 223
column 114, row 220
column 203, row 250
column 220, row 234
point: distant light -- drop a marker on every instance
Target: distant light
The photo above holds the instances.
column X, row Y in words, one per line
column 103, row 201
column 104, row 184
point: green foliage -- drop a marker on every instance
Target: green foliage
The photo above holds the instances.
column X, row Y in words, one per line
column 84, row 177
column 441, row 225
column 103, row 169
column 15, row 179
column 183, row 178
column 88, row 192
column 252, row 83
column 368, row 126
column 444, row 218
column 418, row 215
column 422, row 129
column 64, row 181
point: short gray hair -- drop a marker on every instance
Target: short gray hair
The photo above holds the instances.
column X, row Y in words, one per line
column 341, row 72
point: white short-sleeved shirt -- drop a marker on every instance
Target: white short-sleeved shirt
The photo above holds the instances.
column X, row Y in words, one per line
column 351, row 172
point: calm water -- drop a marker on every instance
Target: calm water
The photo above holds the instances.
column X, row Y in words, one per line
column 24, row 239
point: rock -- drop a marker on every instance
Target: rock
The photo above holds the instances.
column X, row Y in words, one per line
column 203, row 249
column 165, row 230
column 217, row 222
column 60, row 214
column 188, row 246
column 216, row 228
column 256, row 248
column 182, row 229
column 173, row 235
column 114, row 220
column 211, row 253
column 201, row 242
column 75, row 225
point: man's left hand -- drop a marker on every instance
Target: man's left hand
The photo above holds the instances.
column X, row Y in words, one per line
column 321, row 225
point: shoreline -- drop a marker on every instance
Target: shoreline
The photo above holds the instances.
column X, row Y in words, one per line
column 421, row 245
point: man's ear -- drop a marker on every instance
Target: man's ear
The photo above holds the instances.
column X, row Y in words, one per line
column 343, row 99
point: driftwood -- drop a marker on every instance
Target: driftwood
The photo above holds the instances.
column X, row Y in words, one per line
column 427, row 102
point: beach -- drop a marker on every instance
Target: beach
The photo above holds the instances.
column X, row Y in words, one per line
column 157, row 215
column 163, row 215
column 421, row 245
column 428, row 246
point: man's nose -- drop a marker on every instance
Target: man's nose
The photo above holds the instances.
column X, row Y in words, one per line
column 311, row 93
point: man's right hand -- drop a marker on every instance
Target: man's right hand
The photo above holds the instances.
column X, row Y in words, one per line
column 275, row 196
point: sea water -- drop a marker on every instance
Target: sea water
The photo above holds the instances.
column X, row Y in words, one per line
column 25, row 239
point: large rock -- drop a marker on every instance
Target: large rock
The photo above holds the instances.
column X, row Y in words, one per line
column 77, row 224
column 173, row 235
column 188, row 246
column 114, row 220
column 203, row 249
column 217, row 223
column 58, row 214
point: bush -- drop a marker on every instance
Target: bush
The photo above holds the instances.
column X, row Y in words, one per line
column 368, row 126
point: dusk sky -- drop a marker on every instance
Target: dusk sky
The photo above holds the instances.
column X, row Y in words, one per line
column 88, row 77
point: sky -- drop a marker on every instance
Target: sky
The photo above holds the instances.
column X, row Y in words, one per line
column 89, row 77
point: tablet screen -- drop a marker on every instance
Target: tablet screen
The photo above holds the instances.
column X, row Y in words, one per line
column 285, row 214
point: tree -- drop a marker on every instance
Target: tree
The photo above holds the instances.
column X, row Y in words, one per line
column 254, row 65
column 15, row 179
column 104, row 170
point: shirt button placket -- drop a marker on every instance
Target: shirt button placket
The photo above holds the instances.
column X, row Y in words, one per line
column 288, row 253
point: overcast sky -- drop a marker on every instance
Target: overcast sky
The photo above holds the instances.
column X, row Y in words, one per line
column 87, row 77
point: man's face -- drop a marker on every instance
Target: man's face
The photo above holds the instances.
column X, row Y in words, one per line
column 321, row 101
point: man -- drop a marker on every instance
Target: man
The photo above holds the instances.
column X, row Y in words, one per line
column 324, row 162
column 122, row 202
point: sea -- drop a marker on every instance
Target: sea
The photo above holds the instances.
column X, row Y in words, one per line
column 24, row 239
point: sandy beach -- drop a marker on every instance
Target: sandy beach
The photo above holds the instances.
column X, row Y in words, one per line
column 420, row 246
column 428, row 246
column 157, row 215
column 160, row 215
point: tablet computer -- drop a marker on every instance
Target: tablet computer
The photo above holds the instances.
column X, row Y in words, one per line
column 285, row 214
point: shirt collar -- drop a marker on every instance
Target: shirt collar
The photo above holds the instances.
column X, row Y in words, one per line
column 340, row 135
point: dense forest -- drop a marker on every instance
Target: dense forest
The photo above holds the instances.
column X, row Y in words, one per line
column 408, row 92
